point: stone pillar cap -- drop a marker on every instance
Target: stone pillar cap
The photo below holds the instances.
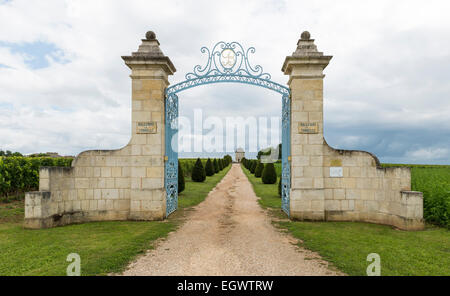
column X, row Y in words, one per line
column 305, row 54
column 149, row 52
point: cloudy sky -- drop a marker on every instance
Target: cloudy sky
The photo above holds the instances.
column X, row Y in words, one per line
column 64, row 87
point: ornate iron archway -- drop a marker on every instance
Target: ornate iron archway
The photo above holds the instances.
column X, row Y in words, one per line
column 227, row 62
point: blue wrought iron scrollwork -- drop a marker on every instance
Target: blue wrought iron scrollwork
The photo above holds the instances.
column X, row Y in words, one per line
column 285, row 153
column 228, row 58
column 171, row 165
column 227, row 62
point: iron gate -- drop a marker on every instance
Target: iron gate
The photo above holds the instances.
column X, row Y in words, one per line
column 227, row 62
column 171, row 161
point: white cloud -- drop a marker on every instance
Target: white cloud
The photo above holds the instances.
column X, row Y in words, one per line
column 387, row 82
column 429, row 154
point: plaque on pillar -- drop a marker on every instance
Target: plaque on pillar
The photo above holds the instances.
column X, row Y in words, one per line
column 308, row 127
column 146, row 127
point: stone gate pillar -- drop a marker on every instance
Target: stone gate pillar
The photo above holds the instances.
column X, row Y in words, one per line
column 305, row 69
column 149, row 75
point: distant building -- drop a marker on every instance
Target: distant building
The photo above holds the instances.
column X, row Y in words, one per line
column 240, row 154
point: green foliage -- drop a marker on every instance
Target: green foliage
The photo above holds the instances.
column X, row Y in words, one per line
column 279, row 187
column 198, row 173
column 189, row 163
column 209, row 169
column 228, row 159
column 19, row 174
column 181, row 181
column 268, row 151
column 220, row 162
column 263, row 152
column 216, row 166
column 196, row 192
column 259, row 169
column 252, row 166
column 435, row 185
column 269, row 175
column 8, row 153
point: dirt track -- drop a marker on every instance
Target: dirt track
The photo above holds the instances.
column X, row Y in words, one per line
column 229, row 234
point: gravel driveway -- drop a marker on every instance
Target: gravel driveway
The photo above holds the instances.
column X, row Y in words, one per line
column 229, row 234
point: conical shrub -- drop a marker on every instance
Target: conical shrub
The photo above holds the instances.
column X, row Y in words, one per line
column 253, row 167
column 228, row 159
column 216, row 166
column 209, row 170
column 269, row 175
column 221, row 164
column 259, row 170
column 198, row 172
column 181, row 181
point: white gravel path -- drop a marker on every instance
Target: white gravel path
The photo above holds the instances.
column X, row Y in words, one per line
column 229, row 234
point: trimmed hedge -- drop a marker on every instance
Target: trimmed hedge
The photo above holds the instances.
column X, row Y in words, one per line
column 188, row 164
column 259, row 169
column 198, row 173
column 228, row 159
column 269, row 174
column 209, row 169
column 216, row 166
column 253, row 166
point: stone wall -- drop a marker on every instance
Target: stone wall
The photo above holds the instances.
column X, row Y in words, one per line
column 128, row 184
column 367, row 192
column 359, row 188
column 124, row 184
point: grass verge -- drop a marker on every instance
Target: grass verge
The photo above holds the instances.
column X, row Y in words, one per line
column 196, row 192
column 267, row 193
column 104, row 247
column 347, row 244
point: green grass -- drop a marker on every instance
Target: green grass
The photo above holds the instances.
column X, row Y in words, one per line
column 104, row 247
column 11, row 211
column 196, row 192
column 267, row 193
column 347, row 244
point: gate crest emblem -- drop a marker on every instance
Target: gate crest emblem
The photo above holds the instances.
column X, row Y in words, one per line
column 226, row 62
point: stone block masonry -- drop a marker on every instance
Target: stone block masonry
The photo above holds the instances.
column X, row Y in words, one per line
column 338, row 185
column 123, row 184
column 128, row 184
